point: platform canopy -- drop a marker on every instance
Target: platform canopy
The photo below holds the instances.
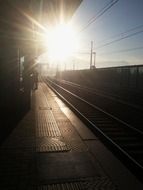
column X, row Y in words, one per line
column 51, row 10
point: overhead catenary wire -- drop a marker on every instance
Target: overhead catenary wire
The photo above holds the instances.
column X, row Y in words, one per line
column 93, row 17
column 122, row 50
column 114, row 52
column 119, row 39
column 121, row 34
column 99, row 14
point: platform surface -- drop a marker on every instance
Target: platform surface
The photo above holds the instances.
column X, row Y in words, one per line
column 52, row 149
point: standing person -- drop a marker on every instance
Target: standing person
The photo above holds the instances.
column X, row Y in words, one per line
column 36, row 79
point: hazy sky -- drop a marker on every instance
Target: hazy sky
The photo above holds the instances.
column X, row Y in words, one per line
column 123, row 20
column 117, row 34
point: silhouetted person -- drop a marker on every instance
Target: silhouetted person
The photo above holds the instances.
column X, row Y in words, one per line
column 35, row 79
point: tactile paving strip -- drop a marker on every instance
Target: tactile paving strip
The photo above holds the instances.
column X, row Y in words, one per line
column 51, row 145
column 71, row 136
column 46, row 125
column 97, row 183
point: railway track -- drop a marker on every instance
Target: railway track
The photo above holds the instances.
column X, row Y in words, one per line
column 132, row 99
column 130, row 113
column 124, row 139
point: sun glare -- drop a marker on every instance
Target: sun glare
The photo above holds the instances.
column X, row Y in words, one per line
column 61, row 42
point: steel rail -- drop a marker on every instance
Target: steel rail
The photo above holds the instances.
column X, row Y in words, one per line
column 110, row 115
column 91, row 123
column 106, row 95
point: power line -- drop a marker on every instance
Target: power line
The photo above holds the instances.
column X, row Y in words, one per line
column 123, row 50
column 119, row 39
column 122, row 33
column 113, row 52
column 100, row 13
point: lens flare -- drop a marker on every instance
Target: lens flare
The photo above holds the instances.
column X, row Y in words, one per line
column 61, row 42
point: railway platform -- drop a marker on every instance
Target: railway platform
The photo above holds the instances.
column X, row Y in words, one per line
column 51, row 149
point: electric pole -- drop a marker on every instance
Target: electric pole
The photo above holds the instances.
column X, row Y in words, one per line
column 94, row 59
column 91, row 54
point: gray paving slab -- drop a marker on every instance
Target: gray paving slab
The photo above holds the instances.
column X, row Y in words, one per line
column 83, row 131
column 49, row 149
column 113, row 167
column 61, row 166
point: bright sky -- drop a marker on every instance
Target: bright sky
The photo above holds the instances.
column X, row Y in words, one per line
column 117, row 34
column 123, row 16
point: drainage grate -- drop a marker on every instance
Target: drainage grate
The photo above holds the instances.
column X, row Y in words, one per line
column 97, row 183
column 51, row 145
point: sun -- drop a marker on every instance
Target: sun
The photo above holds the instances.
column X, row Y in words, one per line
column 61, row 42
